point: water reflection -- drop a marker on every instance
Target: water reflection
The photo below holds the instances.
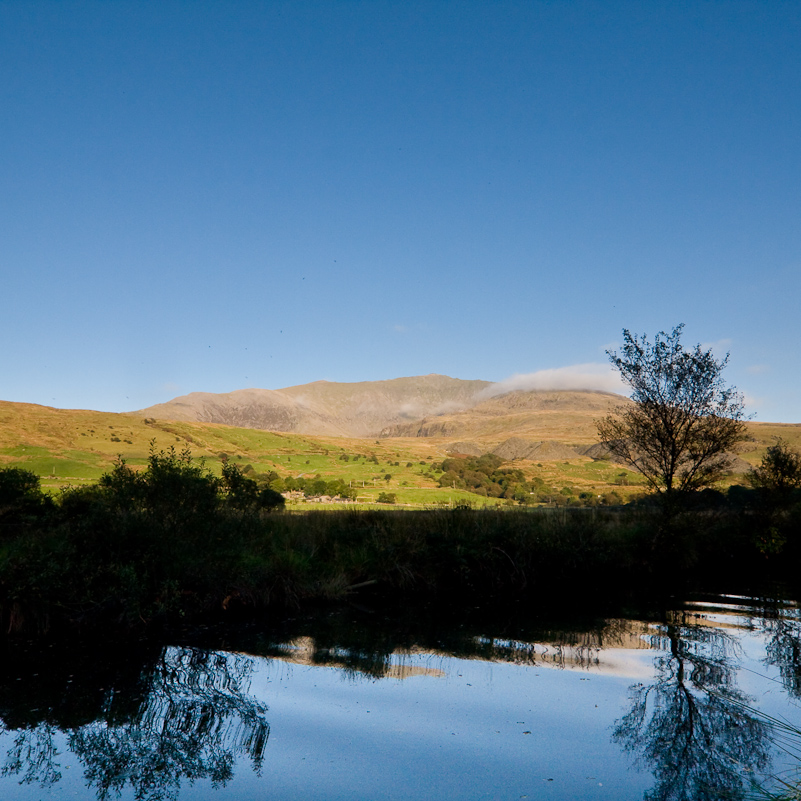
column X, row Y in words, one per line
column 154, row 721
column 781, row 623
column 193, row 721
column 691, row 725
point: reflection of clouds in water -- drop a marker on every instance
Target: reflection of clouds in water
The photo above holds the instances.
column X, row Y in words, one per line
column 625, row 664
column 305, row 651
column 621, row 648
column 491, row 708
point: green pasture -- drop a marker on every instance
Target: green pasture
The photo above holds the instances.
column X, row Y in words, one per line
column 70, row 447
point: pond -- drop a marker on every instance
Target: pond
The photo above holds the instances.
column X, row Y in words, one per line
column 672, row 703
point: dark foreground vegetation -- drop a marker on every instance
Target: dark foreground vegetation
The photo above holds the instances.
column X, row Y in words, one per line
column 174, row 542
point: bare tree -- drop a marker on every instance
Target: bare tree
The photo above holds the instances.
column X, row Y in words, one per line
column 684, row 421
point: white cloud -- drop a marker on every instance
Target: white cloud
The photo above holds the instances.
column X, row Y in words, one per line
column 758, row 369
column 590, row 376
column 721, row 347
column 753, row 401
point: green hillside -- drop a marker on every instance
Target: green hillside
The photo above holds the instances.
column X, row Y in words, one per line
column 74, row 447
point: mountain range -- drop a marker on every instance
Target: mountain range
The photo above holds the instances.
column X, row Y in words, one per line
column 419, row 406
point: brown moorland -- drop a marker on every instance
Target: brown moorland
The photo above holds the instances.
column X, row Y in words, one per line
column 548, row 434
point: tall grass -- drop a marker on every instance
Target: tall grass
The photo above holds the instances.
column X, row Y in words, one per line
column 174, row 541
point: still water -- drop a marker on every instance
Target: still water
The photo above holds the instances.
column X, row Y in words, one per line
column 677, row 703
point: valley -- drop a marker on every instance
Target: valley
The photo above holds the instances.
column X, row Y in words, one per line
column 549, row 436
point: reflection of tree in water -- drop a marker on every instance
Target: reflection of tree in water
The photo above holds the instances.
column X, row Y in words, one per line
column 194, row 720
column 33, row 757
column 781, row 623
column 690, row 726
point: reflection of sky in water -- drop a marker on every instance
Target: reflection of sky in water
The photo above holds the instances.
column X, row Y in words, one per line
column 447, row 728
column 70, row 786
column 481, row 730
column 459, row 736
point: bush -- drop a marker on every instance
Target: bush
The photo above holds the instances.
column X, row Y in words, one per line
column 271, row 499
column 17, row 485
column 386, row 497
column 22, row 501
column 779, row 471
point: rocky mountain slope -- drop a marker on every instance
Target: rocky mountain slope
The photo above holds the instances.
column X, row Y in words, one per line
column 421, row 406
column 562, row 415
column 326, row 408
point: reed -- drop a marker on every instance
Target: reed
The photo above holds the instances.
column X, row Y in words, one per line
column 174, row 541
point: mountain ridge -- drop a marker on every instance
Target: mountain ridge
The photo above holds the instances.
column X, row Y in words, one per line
column 414, row 406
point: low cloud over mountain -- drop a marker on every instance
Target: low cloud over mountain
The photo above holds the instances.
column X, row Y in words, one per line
column 417, row 406
column 591, row 377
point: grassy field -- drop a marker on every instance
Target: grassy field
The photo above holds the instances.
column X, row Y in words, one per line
column 74, row 447
column 188, row 537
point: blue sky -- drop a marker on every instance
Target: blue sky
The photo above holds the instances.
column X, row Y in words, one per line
column 200, row 196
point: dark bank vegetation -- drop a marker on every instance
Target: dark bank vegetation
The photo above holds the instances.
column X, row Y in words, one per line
column 174, row 541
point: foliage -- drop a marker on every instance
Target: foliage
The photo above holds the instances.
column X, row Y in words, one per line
column 172, row 487
column 313, row 486
column 242, row 492
column 779, row 471
column 386, row 497
column 21, row 500
column 487, row 476
column 774, row 502
column 684, row 420
column 17, row 485
column 172, row 540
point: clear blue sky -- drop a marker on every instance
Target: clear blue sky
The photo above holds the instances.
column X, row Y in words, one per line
column 211, row 196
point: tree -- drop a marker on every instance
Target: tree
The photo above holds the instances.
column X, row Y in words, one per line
column 17, row 485
column 683, row 421
column 21, row 499
column 780, row 469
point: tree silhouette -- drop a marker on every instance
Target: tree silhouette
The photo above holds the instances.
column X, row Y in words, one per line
column 684, row 419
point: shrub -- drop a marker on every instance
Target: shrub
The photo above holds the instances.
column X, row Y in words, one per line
column 270, row 499
column 22, row 501
column 17, row 485
column 779, row 471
